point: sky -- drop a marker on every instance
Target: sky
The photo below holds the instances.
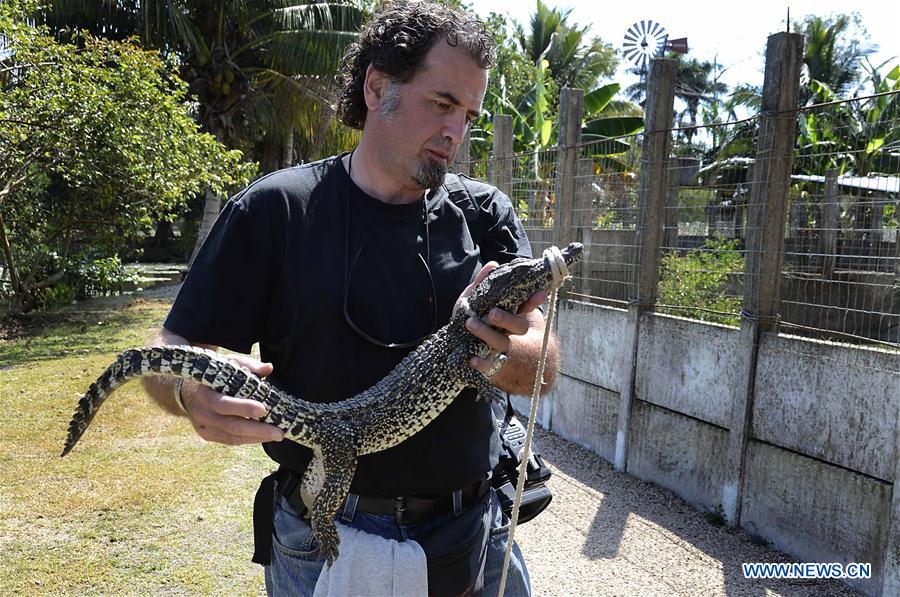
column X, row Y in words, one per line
column 731, row 32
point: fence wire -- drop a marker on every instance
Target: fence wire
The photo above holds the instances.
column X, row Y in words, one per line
column 605, row 218
column 706, row 226
column 840, row 268
column 533, row 192
column 842, row 255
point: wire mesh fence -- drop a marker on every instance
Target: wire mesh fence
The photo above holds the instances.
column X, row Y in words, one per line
column 840, row 264
column 605, row 218
column 706, row 226
column 533, row 184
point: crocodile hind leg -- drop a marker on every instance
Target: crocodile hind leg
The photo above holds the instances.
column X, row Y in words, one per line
column 313, row 478
column 339, row 456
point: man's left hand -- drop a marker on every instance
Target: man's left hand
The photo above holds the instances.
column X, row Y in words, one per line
column 498, row 326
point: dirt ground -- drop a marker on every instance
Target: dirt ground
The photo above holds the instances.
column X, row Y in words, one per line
column 608, row 533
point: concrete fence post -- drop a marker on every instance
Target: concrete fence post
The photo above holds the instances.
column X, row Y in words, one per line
column 765, row 244
column 461, row 163
column 653, row 193
column 571, row 113
column 502, row 153
column 831, row 220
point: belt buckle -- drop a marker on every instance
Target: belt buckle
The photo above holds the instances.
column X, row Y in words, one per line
column 400, row 509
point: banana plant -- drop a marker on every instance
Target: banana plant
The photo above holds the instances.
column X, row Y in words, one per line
column 852, row 136
column 603, row 125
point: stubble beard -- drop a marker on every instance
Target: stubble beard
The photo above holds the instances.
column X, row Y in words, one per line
column 430, row 174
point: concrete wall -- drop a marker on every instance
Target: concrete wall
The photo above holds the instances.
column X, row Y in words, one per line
column 816, row 511
column 820, row 461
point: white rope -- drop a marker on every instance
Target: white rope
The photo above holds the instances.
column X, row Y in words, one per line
column 558, row 266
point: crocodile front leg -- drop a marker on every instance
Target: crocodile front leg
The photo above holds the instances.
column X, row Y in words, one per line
column 473, row 378
column 339, row 456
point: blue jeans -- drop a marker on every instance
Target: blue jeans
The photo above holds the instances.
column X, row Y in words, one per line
column 295, row 565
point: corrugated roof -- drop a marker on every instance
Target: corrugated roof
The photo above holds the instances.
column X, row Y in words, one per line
column 883, row 184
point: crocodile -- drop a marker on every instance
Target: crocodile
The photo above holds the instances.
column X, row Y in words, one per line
column 412, row 395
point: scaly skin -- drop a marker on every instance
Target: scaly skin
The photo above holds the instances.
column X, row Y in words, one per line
column 412, row 395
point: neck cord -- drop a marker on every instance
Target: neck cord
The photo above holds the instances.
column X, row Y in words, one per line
column 558, row 266
column 347, row 220
column 347, row 265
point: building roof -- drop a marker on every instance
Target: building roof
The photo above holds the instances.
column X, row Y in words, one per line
column 882, row 184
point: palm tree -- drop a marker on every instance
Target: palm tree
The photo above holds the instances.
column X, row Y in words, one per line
column 544, row 23
column 238, row 56
column 832, row 55
column 696, row 82
column 573, row 59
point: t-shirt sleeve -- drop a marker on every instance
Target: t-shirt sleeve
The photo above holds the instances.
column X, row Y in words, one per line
column 505, row 238
column 224, row 296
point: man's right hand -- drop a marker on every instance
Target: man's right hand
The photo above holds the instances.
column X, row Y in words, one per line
column 215, row 417
column 227, row 420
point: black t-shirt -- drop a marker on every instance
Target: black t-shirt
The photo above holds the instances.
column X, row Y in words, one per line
column 273, row 271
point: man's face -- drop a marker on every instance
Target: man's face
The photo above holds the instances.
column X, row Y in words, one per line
column 421, row 123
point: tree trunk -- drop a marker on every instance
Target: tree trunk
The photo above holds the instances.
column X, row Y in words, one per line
column 210, row 213
column 213, row 203
column 287, row 148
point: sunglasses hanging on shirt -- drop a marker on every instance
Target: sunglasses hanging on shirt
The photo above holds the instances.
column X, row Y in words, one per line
column 350, row 267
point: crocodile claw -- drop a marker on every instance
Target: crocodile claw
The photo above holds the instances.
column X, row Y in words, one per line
column 492, row 394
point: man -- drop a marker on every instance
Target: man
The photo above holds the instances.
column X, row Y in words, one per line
column 337, row 269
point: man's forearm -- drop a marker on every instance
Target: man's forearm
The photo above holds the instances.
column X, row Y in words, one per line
column 162, row 389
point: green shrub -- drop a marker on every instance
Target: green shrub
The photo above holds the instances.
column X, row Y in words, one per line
column 99, row 277
column 700, row 280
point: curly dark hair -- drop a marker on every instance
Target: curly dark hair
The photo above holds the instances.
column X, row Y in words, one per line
column 396, row 41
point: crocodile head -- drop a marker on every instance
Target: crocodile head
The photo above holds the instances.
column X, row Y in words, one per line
column 513, row 283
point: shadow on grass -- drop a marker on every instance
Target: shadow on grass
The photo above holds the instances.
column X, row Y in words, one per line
column 113, row 323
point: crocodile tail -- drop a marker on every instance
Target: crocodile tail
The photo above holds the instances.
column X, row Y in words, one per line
column 126, row 366
column 189, row 362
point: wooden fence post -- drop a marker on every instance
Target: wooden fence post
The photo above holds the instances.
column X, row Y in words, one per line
column 831, row 221
column 502, row 153
column 765, row 243
column 653, row 192
column 571, row 112
column 461, row 163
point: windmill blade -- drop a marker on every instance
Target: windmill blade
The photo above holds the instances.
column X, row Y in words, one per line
column 644, row 40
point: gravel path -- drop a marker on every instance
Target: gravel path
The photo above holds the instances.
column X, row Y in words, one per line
column 608, row 533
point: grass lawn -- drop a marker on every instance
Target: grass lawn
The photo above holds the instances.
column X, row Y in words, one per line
column 141, row 505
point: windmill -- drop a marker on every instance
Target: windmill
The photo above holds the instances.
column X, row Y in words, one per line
column 647, row 39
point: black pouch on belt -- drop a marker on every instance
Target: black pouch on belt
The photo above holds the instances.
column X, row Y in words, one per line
column 536, row 496
column 457, row 550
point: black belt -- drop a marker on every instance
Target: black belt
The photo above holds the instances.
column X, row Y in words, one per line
column 405, row 509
